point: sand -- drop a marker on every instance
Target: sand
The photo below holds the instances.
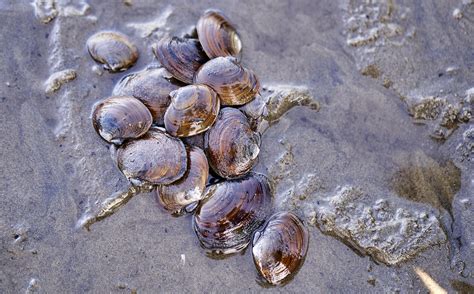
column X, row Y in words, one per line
column 393, row 84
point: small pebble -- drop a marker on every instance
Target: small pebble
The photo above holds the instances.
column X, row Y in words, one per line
column 97, row 70
column 371, row 280
column 33, row 286
column 457, row 13
column 465, row 202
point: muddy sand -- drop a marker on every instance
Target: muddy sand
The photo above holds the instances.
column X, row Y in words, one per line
column 368, row 137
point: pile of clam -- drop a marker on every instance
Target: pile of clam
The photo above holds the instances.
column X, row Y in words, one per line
column 169, row 124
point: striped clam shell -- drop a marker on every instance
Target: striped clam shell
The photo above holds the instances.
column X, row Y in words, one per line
column 156, row 158
column 182, row 57
column 279, row 249
column 235, row 84
column 192, row 111
column 114, row 50
column 151, row 86
column 176, row 197
column 118, row 118
column 218, row 35
column 230, row 212
column 232, row 147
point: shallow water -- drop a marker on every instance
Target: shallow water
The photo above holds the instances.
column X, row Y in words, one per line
column 368, row 67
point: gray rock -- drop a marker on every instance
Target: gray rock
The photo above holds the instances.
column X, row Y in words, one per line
column 384, row 230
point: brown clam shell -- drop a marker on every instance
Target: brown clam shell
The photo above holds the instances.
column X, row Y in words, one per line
column 193, row 110
column 217, row 35
column 151, row 86
column 121, row 117
column 114, row 50
column 190, row 188
column 230, row 212
column 156, row 158
column 182, row 57
column 279, row 249
column 234, row 84
column 231, row 145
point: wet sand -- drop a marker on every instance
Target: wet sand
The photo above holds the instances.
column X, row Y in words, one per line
column 394, row 82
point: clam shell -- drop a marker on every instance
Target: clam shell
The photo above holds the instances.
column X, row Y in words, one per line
column 151, row 86
column 279, row 249
column 182, row 57
column 230, row 212
column 217, row 35
column 234, row 84
column 190, row 188
column 121, row 117
column 196, row 140
column 114, row 50
column 232, row 147
column 193, row 110
column 156, row 158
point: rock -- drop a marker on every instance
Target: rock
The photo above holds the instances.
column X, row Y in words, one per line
column 57, row 79
column 275, row 101
column 466, row 147
column 387, row 232
column 45, row 10
column 428, row 108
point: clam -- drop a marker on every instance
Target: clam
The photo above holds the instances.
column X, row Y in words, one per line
column 279, row 249
column 217, row 35
column 231, row 145
column 190, row 188
column 121, row 117
column 230, row 212
column 196, row 140
column 156, row 158
column 114, row 50
column 151, row 86
column 235, row 84
column 193, row 110
column 180, row 56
